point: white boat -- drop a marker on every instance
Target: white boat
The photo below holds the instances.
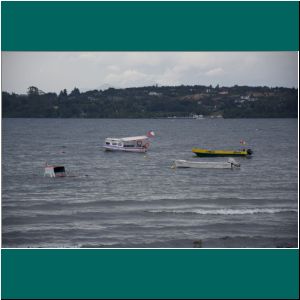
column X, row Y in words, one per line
column 230, row 164
column 129, row 144
column 198, row 117
column 54, row 171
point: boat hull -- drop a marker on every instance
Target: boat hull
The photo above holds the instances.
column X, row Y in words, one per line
column 123, row 149
column 219, row 153
column 202, row 165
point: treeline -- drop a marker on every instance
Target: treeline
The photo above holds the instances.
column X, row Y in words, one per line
column 155, row 102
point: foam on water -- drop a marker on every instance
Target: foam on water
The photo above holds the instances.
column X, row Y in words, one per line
column 228, row 211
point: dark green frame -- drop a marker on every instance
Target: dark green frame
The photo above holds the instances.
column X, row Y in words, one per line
column 150, row 26
column 150, row 274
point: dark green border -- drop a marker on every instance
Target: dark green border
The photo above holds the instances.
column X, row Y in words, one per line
column 158, row 26
column 145, row 26
column 132, row 274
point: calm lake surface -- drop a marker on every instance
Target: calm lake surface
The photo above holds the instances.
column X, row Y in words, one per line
column 136, row 200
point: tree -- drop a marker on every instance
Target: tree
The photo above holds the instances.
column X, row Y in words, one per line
column 63, row 94
column 33, row 91
column 75, row 92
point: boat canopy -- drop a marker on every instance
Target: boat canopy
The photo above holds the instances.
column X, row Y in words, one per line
column 134, row 138
column 129, row 139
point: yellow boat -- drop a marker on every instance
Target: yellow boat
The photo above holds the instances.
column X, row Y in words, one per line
column 214, row 153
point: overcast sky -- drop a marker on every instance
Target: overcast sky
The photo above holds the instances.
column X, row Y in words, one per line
column 54, row 71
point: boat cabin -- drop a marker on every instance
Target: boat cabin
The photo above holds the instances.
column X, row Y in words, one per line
column 55, row 171
column 135, row 143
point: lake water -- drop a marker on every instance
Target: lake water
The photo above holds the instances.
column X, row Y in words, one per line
column 136, row 200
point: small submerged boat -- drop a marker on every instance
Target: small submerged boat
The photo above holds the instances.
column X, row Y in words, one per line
column 55, row 171
column 230, row 164
column 129, row 144
column 216, row 153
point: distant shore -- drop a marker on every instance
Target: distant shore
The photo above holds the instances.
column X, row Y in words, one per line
column 149, row 118
column 159, row 102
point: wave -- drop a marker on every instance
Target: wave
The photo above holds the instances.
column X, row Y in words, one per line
column 247, row 211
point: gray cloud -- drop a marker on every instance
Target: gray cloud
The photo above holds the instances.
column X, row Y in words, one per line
column 54, row 71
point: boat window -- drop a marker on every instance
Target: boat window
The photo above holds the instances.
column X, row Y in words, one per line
column 128, row 146
column 59, row 169
column 107, row 143
column 114, row 144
